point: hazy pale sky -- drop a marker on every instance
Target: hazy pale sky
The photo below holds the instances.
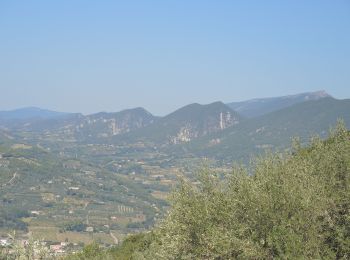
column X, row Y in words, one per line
column 89, row 56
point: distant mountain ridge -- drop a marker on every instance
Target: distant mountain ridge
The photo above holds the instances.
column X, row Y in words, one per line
column 261, row 106
column 273, row 130
column 110, row 124
column 99, row 125
column 29, row 113
column 249, row 108
column 187, row 123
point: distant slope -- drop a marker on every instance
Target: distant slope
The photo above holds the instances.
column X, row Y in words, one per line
column 4, row 137
column 110, row 124
column 186, row 124
column 261, row 106
column 91, row 127
column 29, row 113
column 35, row 178
column 273, row 130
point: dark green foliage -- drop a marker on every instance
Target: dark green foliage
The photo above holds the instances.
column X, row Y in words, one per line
column 11, row 219
column 73, row 226
column 133, row 246
column 91, row 252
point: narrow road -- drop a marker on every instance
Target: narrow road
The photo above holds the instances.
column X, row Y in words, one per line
column 13, row 177
column 103, row 166
column 126, row 188
column 116, row 241
column 86, row 204
column 88, row 212
column 87, row 217
column 10, row 181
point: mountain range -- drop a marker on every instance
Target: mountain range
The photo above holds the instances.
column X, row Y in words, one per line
column 29, row 113
column 273, row 130
column 261, row 106
column 186, row 124
column 111, row 172
column 232, row 130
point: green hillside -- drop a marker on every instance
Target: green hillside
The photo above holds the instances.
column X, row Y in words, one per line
column 273, row 130
column 262, row 106
column 192, row 121
column 39, row 185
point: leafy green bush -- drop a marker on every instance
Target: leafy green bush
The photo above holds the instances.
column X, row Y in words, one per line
column 93, row 252
column 77, row 226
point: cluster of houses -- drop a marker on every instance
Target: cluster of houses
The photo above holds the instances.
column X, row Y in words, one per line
column 54, row 248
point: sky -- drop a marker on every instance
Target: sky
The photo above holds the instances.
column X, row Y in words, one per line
column 90, row 56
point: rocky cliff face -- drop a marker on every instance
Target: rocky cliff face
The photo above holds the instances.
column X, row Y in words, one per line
column 100, row 125
column 111, row 124
column 205, row 119
column 181, row 126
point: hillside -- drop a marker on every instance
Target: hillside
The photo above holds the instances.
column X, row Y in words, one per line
column 29, row 113
column 261, row 106
column 273, row 130
column 110, row 124
column 39, row 185
column 186, row 124
column 83, row 128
